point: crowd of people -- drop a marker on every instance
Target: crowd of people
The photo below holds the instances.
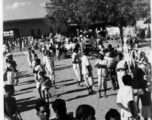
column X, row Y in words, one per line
column 127, row 71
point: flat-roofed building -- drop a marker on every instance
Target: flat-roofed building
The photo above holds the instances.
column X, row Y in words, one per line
column 29, row 27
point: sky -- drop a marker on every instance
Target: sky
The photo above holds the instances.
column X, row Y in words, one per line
column 23, row 9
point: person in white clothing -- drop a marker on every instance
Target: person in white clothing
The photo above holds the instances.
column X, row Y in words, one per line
column 37, row 69
column 29, row 56
column 10, row 72
column 34, row 57
column 49, row 66
column 121, row 69
column 44, row 49
column 87, row 72
column 76, row 65
column 125, row 100
column 101, row 64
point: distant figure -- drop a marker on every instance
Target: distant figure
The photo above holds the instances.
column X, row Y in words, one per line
column 29, row 57
column 20, row 41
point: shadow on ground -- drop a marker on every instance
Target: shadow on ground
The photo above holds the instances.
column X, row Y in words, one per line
column 72, row 91
column 27, row 82
column 28, row 88
column 64, row 81
column 24, row 105
column 62, row 68
column 80, row 96
column 25, row 75
column 22, row 93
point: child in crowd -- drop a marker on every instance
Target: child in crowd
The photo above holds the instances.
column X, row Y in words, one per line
column 11, row 111
column 144, row 94
column 85, row 112
column 37, row 69
column 45, row 85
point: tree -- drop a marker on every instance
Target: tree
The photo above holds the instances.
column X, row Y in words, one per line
column 59, row 12
column 94, row 11
column 127, row 10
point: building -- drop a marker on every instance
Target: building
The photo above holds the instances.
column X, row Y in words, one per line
column 29, row 27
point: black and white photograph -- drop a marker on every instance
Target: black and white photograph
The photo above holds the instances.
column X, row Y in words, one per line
column 76, row 60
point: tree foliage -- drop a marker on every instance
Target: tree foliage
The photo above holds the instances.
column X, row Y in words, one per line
column 93, row 11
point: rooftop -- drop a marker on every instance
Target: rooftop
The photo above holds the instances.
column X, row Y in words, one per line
column 20, row 20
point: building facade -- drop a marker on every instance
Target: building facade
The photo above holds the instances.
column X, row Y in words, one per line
column 29, row 27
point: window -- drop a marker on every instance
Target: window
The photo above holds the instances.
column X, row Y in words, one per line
column 8, row 33
column 39, row 32
column 32, row 32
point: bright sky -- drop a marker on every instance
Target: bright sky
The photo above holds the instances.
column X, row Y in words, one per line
column 23, row 9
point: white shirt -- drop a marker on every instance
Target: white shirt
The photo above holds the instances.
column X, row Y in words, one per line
column 39, row 68
column 112, row 62
column 121, row 64
column 102, row 71
column 4, row 48
column 49, row 63
column 85, row 63
column 125, row 94
column 76, row 58
column 120, row 74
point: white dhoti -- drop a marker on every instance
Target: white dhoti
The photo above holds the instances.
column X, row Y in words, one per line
column 102, row 82
column 77, row 71
column 88, row 80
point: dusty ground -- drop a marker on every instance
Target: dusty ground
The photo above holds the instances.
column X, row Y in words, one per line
column 27, row 95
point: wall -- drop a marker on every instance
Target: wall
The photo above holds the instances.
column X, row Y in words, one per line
column 25, row 27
